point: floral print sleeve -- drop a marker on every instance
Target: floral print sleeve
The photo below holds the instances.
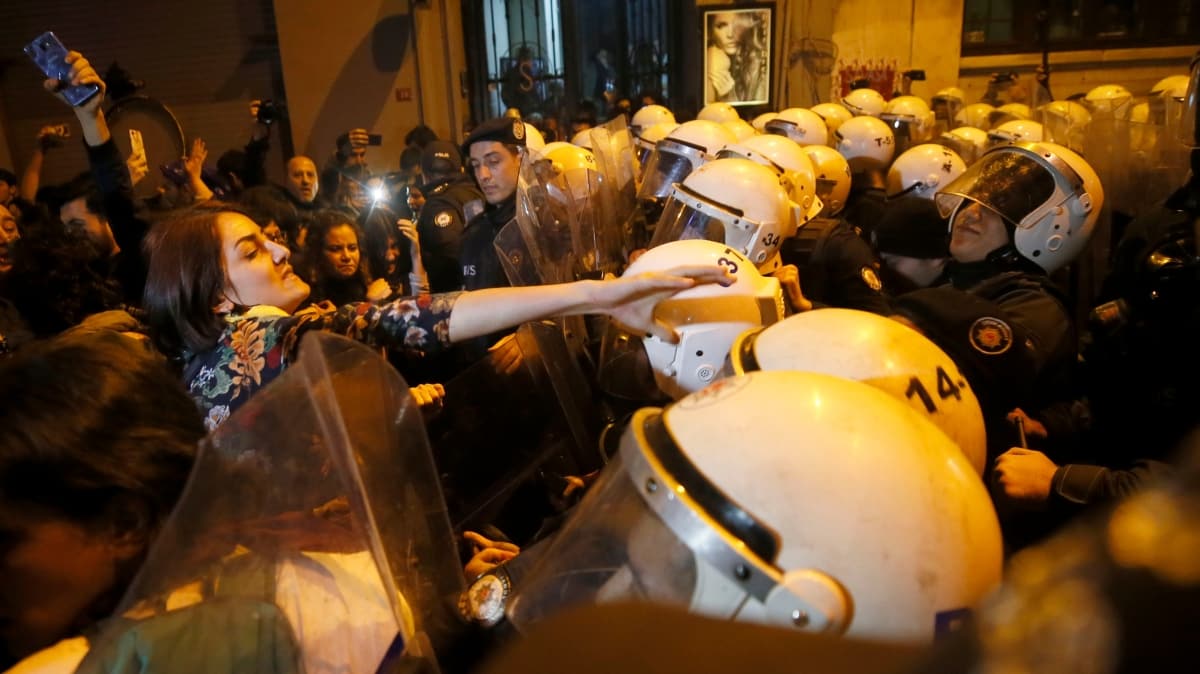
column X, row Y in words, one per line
column 255, row 349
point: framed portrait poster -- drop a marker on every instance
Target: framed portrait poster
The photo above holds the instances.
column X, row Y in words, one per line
column 738, row 54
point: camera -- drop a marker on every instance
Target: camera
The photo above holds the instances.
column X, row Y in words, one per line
column 270, row 112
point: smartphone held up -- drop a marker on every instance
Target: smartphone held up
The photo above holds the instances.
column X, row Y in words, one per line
column 48, row 52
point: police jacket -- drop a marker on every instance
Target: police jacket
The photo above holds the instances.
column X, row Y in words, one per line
column 449, row 203
column 479, row 262
column 1029, row 298
column 837, row 267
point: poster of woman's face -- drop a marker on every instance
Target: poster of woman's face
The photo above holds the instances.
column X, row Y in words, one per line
column 737, row 58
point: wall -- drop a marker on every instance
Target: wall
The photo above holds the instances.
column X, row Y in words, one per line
column 206, row 61
column 349, row 64
column 927, row 35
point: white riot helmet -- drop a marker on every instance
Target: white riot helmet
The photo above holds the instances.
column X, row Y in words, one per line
column 1110, row 100
column 833, row 114
column 1173, row 85
column 688, row 146
column 875, row 350
column 789, row 498
column 707, row 318
column 649, row 138
column 803, row 126
column 969, row 142
column 740, row 128
column 1011, row 111
column 649, row 115
column 910, row 119
column 583, row 139
column 1016, row 131
column 784, row 155
column 1064, row 122
column 1048, row 195
column 718, row 112
column 866, row 102
column 573, row 169
column 946, row 104
column 533, row 138
column 923, row 170
column 760, row 122
column 978, row 115
column 833, row 178
column 733, row 201
column 866, row 143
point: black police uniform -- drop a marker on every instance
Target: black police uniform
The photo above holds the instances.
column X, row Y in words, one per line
column 480, row 263
column 1028, row 297
column 449, row 204
column 478, row 260
column 837, row 267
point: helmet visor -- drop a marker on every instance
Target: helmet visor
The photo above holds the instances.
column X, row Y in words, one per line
column 651, row 529
column 614, row 548
column 906, row 131
column 670, row 163
column 1189, row 127
column 688, row 216
column 1013, row 184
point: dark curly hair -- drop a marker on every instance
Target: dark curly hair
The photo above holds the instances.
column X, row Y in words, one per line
column 56, row 280
column 326, row 285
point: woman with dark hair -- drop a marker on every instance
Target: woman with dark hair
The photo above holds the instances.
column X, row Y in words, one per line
column 223, row 300
column 96, row 441
column 392, row 252
column 49, row 276
column 335, row 268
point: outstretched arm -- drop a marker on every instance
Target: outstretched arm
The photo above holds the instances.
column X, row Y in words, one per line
column 629, row 300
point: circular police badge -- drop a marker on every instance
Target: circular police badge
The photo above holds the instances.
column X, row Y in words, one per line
column 518, row 129
column 442, row 219
column 485, row 600
column 871, row 278
column 990, row 336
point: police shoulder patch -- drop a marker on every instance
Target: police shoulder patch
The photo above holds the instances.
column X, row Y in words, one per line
column 871, row 278
column 991, row 336
column 443, row 219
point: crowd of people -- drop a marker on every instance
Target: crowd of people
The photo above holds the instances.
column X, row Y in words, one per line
column 836, row 351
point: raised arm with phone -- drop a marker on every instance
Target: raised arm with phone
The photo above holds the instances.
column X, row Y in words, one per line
column 110, row 173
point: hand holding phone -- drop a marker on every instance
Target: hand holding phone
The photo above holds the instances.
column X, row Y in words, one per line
column 136, row 147
column 77, row 84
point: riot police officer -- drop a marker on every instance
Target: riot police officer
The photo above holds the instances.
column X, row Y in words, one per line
column 452, row 199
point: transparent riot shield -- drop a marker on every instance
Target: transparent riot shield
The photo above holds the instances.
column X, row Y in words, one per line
column 535, row 247
column 578, row 194
column 515, row 426
column 312, row 536
column 1159, row 162
column 617, row 156
column 1107, row 148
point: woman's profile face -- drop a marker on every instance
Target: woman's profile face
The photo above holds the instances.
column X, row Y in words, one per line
column 340, row 251
column 257, row 271
column 721, row 32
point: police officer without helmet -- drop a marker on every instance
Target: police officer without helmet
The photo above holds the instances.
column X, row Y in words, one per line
column 494, row 150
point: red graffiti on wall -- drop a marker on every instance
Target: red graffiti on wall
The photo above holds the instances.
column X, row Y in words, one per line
column 882, row 75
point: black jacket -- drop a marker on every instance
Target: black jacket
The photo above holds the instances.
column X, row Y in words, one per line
column 449, row 203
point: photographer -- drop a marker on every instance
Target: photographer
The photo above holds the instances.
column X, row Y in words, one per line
column 246, row 168
column 351, row 152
